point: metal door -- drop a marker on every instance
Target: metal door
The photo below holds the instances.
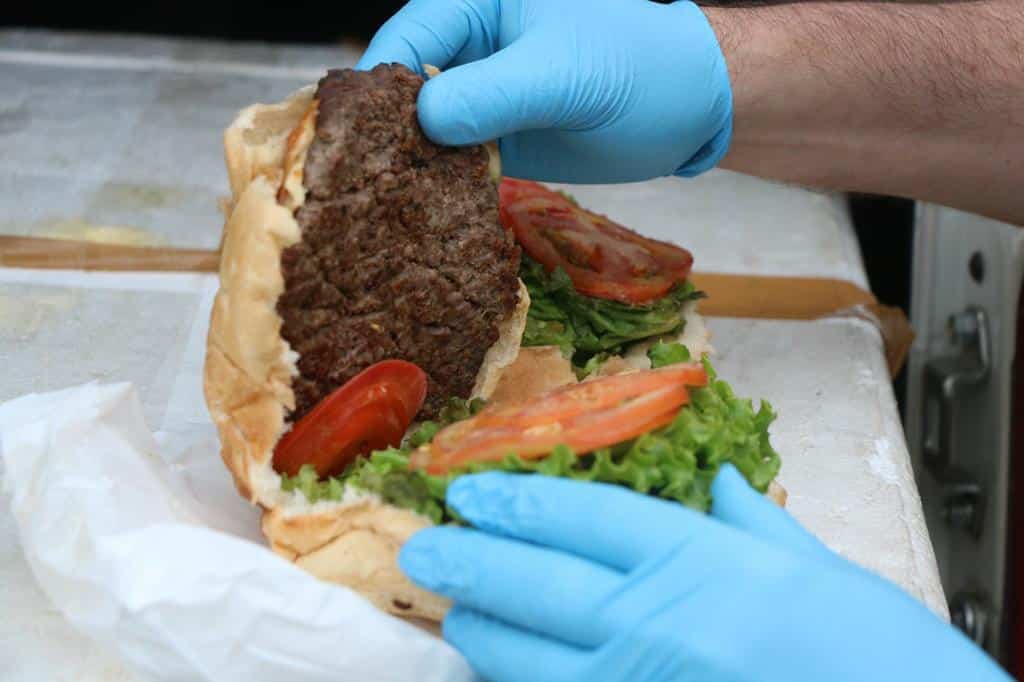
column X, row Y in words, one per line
column 966, row 282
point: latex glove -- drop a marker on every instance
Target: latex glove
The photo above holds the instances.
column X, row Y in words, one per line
column 577, row 90
column 581, row 581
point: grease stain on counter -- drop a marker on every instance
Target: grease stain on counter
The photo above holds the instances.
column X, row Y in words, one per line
column 107, row 206
column 131, row 196
column 14, row 118
column 21, row 316
column 83, row 230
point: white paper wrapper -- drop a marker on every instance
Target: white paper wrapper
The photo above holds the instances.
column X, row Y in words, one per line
column 151, row 559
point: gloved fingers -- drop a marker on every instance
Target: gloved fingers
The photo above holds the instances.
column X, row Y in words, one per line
column 500, row 652
column 580, row 157
column 737, row 504
column 489, row 98
column 551, row 593
column 604, row 523
column 436, row 32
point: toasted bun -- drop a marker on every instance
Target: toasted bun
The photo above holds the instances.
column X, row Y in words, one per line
column 249, row 369
column 535, row 370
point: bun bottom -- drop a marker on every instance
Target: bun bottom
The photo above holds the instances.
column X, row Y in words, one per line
column 357, row 546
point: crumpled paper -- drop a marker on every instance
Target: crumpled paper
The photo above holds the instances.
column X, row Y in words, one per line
column 147, row 556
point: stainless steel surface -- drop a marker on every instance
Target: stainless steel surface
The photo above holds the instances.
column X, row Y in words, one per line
column 967, row 274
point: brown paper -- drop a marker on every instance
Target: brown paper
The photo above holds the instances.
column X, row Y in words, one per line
column 751, row 296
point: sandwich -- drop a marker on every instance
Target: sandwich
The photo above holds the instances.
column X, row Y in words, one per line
column 393, row 314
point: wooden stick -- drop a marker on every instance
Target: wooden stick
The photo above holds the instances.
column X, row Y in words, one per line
column 779, row 298
column 66, row 254
column 805, row 298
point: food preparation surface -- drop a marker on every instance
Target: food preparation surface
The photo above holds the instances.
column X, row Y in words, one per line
column 137, row 159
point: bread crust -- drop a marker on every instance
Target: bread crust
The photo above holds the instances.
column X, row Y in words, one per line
column 249, row 367
column 357, row 546
column 535, row 370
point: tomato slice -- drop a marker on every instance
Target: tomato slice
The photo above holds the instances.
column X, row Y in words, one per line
column 371, row 411
column 584, row 416
column 603, row 259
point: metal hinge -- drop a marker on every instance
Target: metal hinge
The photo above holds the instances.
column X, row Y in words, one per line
column 947, row 379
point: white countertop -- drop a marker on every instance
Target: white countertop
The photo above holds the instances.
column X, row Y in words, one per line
column 122, row 135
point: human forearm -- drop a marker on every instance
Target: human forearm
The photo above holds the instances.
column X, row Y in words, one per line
column 918, row 100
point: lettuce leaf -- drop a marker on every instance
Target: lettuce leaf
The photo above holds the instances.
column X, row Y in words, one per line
column 583, row 326
column 663, row 353
column 592, row 365
column 677, row 462
column 458, row 409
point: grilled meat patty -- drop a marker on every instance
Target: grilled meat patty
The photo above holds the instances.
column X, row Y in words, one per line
column 402, row 255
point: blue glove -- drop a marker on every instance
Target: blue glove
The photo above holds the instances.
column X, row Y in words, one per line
column 577, row 90
column 580, row 581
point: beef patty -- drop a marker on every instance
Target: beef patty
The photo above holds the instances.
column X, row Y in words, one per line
column 402, row 255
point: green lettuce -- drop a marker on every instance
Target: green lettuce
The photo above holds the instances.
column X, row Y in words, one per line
column 663, row 353
column 458, row 409
column 592, row 365
column 677, row 462
column 583, row 326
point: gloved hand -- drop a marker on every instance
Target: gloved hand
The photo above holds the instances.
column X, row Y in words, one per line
column 577, row 90
column 580, row 581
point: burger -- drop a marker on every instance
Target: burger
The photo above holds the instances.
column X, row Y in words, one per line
column 393, row 314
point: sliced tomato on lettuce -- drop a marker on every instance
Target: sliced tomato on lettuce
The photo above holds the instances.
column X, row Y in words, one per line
column 602, row 258
column 372, row 411
column 585, row 417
